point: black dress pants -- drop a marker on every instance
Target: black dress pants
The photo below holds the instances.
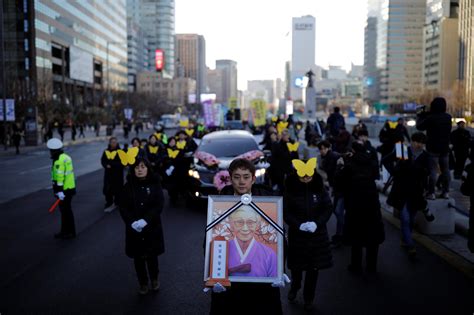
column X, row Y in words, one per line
column 141, row 265
column 310, row 281
column 68, row 227
column 371, row 257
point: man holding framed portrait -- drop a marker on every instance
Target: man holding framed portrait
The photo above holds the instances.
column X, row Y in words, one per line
column 254, row 240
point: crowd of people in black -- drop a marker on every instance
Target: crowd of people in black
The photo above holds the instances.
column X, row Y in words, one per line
column 343, row 183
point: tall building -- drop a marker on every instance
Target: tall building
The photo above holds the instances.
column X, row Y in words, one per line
column 68, row 52
column 215, row 84
column 138, row 52
column 302, row 52
column 371, row 78
column 191, row 56
column 400, row 49
column 229, row 78
column 261, row 89
column 157, row 21
column 466, row 52
column 175, row 91
column 441, row 45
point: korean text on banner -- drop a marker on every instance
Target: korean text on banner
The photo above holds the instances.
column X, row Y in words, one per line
column 258, row 112
column 207, row 108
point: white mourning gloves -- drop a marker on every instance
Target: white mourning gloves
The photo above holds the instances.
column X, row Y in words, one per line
column 139, row 225
column 217, row 288
column 309, row 227
column 281, row 283
column 61, row 195
column 170, row 170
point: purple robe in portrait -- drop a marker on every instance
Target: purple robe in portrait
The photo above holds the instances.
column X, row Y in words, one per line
column 262, row 259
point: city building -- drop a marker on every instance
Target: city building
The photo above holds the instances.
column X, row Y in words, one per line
column 176, row 91
column 336, row 73
column 400, row 50
column 302, row 53
column 70, row 53
column 441, row 46
column 466, row 53
column 371, row 78
column 229, row 78
column 138, row 52
column 215, row 84
column 191, row 58
column 261, row 89
column 157, row 22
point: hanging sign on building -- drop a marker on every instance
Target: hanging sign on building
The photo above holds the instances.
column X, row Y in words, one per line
column 159, row 59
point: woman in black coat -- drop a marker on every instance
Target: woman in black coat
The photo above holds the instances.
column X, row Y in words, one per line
column 113, row 174
column 363, row 226
column 281, row 160
column 306, row 200
column 140, row 207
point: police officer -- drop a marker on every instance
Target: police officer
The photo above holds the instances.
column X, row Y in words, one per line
column 64, row 187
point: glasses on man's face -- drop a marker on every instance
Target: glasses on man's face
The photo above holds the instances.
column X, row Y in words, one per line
column 250, row 223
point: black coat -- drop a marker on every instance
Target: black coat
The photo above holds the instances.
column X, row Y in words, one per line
column 363, row 225
column 306, row 203
column 281, row 161
column 329, row 165
column 247, row 298
column 437, row 124
column 143, row 200
column 156, row 159
column 461, row 140
column 410, row 179
column 113, row 176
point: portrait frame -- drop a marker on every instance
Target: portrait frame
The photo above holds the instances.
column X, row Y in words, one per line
column 268, row 236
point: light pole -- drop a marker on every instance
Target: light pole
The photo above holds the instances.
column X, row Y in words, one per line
column 4, row 88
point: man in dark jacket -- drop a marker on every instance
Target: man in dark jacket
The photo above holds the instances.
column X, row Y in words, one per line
column 281, row 160
column 437, row 124
column 335, row 122
column 329, row 165
column 460, row 139
column 262, row 297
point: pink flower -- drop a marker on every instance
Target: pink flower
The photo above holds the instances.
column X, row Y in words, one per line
column 206, row 158
column 221, row 179
column 251, row 155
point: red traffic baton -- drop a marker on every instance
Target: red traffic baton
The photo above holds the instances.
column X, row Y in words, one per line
column 54, row 206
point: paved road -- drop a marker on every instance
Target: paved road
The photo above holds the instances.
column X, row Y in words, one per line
column 92, row 275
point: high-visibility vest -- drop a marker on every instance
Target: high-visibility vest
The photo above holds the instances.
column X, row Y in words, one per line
column 62, row 172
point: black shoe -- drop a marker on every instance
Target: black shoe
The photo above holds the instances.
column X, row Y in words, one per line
column 68, row 236
column 354, row 269
column 292, row 295
column 308, row 306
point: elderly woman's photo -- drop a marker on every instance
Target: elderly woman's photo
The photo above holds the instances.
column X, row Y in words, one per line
column 255, row 248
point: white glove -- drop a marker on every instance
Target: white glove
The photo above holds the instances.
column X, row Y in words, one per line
column 304, row 227
column 217, row 288
column 311, row 226
column 340, row 161
column 139, row 225
column 170, row 170
column 61, row 195
column 281, row 283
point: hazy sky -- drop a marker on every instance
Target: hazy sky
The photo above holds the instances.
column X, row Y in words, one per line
column 254, row 32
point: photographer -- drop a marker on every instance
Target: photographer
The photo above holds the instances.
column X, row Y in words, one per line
column 437, row 124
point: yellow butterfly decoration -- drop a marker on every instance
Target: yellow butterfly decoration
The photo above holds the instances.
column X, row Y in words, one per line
column 305, row 169
column 128, row 158
column 153, row 150
column 274, row 119
column 172, row 153
column 392, row 124
column 189, row 132
column 181, row 144
column 184, row 123
column 282, row 126
column 110, row 154
column 293, row 147
column 158, row 135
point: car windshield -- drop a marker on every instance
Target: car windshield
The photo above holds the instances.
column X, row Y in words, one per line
column 228, row 147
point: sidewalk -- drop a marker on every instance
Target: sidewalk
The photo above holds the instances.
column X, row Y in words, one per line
column 90, row 136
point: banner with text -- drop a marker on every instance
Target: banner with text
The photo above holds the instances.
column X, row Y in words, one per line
column 259, row 109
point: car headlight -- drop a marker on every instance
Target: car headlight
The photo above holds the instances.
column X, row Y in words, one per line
column 260, row 172
column 194, row 174
column 411, row 123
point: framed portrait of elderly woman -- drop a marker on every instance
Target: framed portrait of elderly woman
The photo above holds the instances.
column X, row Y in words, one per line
column 244, row 239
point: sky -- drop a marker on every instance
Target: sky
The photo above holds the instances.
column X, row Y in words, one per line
column 257, row 33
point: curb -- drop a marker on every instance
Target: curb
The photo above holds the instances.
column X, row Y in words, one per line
column 443, row 252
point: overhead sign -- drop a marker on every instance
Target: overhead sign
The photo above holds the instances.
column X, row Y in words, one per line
column 259, row 108
column 159, row 59
column 10, row 109
column 81, row 65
